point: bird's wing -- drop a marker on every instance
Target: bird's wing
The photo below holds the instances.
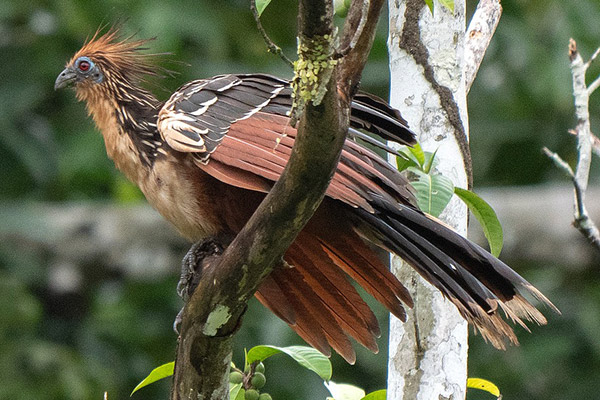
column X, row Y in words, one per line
column 237, row 128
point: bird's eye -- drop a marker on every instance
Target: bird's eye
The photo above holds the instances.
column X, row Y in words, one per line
column 84, row 66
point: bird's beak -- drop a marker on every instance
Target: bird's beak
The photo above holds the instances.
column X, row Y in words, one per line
column 65, row 78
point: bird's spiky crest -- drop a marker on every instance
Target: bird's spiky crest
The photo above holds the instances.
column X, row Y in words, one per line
column 119, row 53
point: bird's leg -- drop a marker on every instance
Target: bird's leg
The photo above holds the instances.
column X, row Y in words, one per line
column 195, row 260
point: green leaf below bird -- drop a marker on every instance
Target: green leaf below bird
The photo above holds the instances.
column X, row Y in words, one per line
column 236, row 392
column 306, row 356
column 376, row 395
column 486, row 216
column 483, row 384
column 344, row 391
column 157, row 373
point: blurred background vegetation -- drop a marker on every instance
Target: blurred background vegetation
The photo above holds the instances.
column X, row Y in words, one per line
column 78, row 319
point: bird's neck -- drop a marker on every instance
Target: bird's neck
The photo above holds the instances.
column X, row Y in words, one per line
column 127, row 121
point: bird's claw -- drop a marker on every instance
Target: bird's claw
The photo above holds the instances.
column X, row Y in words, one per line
column 177, row 322
column 191, row 271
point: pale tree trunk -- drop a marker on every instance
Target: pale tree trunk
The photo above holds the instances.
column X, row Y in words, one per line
column 428, row 353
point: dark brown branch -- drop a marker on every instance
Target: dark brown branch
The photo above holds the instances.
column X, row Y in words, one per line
column 342, row 52
column 213, row 313
column 353, row 63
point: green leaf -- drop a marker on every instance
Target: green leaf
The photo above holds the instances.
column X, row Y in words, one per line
column 430, row 5
column 483, row 384
column 449, row 4
column 486, row 216
column 344, row 391
column 376, row 395
column 236, row 392
column 261, row 5
column 433, row 191
column 157, row 373
column 306, row 356
column 410, row 157
column 429, row 161
column 417, row 151
column 246, row 362
column 403, row 161
column 340, row 8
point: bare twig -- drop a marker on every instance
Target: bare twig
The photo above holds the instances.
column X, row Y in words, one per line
column 478, row 36
column 559, row 162
column 272, row 47
column 580, row 176
column 582, row 220
column 592, row 58
column 593, row 86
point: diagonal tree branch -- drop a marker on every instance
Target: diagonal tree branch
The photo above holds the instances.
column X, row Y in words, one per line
column 213, row 313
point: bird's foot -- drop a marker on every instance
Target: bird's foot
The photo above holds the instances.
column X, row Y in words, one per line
column 191, row 270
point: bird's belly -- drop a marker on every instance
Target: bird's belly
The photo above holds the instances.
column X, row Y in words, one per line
column 174, row 188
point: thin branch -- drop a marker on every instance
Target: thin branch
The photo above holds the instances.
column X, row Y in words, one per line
column 584, row 135
column 213, row 314
column 356, row 35
column 271, row 46
column 593, row 86
column 478, row 36
column 582, row 221
column 592, row 58
column 559, row 162
column 359, row 45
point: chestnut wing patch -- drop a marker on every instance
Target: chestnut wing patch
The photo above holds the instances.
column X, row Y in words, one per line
column 256, row 150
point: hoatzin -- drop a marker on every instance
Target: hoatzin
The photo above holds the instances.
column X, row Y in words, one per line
column 206, row 157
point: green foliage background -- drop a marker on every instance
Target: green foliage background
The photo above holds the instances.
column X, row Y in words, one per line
column 108, row 334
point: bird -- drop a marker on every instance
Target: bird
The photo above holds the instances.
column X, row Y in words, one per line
column 206, row 157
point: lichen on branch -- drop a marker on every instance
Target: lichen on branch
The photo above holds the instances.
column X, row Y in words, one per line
column 312, row 72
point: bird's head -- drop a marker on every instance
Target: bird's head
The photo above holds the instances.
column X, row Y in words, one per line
column 105, row 63
column 83, row 70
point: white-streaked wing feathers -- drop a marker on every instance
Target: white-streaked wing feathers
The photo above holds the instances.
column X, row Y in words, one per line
column 197, row 117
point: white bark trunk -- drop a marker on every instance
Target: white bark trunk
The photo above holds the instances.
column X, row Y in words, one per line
column 428, row 353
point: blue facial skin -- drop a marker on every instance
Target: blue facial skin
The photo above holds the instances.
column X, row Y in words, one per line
column 83, row 68
column 86, row 68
